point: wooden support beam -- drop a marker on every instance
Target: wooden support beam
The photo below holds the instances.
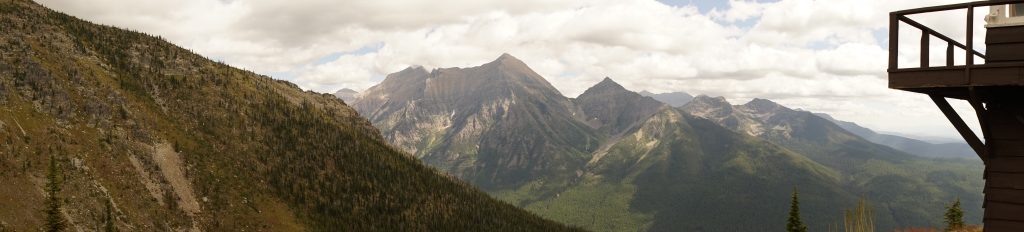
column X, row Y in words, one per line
column 961, row 127
column 980, row 110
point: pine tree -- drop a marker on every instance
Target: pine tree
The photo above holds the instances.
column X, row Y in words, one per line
column 795, row 225
column 954, row 216
column 54, row 220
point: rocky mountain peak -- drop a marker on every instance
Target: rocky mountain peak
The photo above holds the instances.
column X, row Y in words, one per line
column 608, row 82
column 347, row 95
column 614, row 109
column 607, row 86
column 716, row 102
column 506, row 60
column 506, row 56
column 506, row 68
column 413, row 70
column 763, row 105
column 708, row 107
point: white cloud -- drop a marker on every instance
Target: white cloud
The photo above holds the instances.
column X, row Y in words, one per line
column 739, row 11
column 818, row 55
column 853, row 59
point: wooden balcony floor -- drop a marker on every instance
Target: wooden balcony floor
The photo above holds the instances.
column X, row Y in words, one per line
column 999, row 80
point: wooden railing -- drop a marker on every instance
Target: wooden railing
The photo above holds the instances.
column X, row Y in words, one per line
column 926, row 33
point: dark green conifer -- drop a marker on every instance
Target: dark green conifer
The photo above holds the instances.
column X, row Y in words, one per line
column 794, row 224
column 954, row 216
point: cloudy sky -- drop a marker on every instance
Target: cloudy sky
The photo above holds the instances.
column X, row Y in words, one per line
column 824, row 56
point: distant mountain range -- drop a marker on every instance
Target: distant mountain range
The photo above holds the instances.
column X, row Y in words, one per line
column 143, row 135
column 346, row 94
column 674, row 99
column 908, row 145
column 615, row 160
column 934, row 148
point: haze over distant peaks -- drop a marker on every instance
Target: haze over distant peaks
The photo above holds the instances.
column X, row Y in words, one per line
column 675, row 99
column 346, row 94
column 906, row 144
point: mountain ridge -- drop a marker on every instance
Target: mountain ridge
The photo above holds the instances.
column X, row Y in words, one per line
column 460, row 119
column 613, row 109
column 909, row 145
column 674, row 99
column 640, row 155
column 160, row 138
column 874, row 169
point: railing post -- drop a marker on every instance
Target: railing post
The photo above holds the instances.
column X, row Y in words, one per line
column 949, row 55
column 970, row 36
column 970, row 44
column 894, row 41
column 924, row 48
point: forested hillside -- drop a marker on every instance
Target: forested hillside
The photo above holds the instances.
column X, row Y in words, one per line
column 159, row 138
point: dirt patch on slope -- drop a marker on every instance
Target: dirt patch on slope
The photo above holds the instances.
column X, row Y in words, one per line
column 147, row 181
column 171, row 167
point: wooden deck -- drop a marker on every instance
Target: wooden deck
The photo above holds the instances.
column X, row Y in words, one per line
column 996, row 74
column 999, row 80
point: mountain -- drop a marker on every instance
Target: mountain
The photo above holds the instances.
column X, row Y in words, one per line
column 614, row 110
column 478, row 123
column 663, row 166
column 674, row 99
column 908, row 145
column 908, row 188
column 640, row 151
column 161, row 139
column 346, row 94
column 631, row 163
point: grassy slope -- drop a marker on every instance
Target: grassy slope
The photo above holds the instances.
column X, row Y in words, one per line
column 260, row 153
